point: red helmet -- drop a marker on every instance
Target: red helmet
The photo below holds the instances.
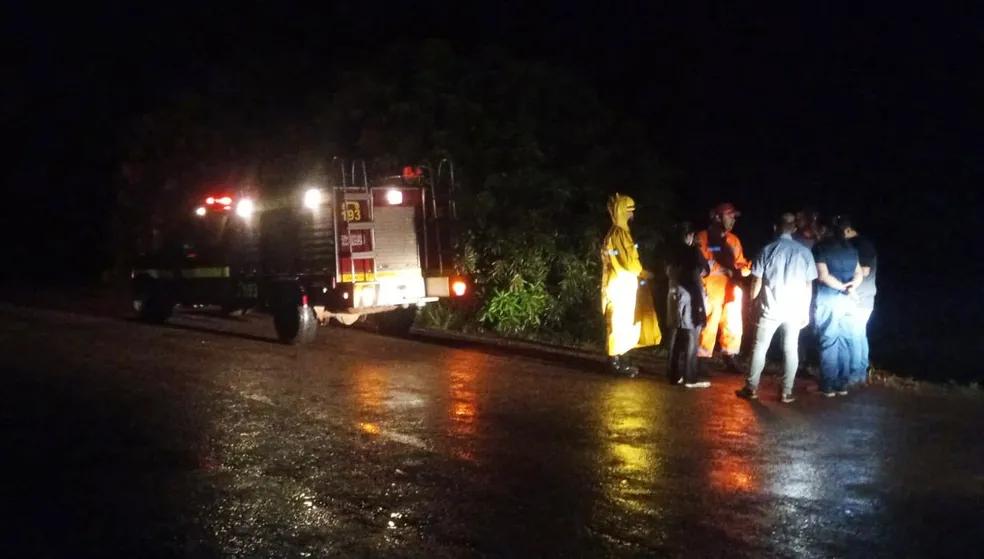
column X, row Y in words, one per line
column 725, row 208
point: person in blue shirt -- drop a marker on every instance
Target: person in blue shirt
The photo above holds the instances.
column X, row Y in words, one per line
column 836, row 309
column 782, row 287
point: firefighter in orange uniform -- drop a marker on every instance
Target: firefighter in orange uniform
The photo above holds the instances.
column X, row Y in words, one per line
column 727, row 262
column 626, row 299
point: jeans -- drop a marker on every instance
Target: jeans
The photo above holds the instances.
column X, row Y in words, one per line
column 764, row 332
column 859, row 360
column 836, row 319
column 683, row 346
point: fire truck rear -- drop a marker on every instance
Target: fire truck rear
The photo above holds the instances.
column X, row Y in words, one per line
column 379, row 250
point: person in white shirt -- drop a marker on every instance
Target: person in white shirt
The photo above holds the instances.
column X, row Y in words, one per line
column 782, row 287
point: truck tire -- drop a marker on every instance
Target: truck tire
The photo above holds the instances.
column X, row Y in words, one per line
column 398, row 322
column 151, row 302
column 295, row 324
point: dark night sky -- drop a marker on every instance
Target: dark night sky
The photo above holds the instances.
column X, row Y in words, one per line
column 872, row 110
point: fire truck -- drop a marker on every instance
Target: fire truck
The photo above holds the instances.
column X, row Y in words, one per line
column 358, row 249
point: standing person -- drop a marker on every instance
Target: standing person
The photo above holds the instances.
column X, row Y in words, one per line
column 809, row 232
column 839, row 274
column 628, row 308
column 781, row 290
column 723, row 253
column 868, row 259
column 685, row 310
column 807, row 227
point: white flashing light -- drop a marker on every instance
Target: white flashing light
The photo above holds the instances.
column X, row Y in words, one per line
column 200, row 211
column 244, row 208
column 394, row 197
column 210, row 200
column 225, row 201
column 312, row 198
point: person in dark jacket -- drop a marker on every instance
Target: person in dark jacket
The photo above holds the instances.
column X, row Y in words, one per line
column 686, row 312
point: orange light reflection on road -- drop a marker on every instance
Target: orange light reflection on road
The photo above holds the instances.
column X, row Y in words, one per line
column 730, row 427
column 371, row 385
column 731, row 474
column 465, row 371
column 463, row 412
column 371, row 428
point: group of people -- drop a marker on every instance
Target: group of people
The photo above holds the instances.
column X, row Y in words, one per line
column 810, row 274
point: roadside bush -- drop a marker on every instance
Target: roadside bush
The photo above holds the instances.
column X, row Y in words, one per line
column 442, row 315
column 520, row 308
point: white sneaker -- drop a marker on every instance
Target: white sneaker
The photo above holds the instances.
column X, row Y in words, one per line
column 698, row 384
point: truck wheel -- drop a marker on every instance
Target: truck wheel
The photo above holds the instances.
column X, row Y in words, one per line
column 151, row 304
column 398, row 322
column 295, row 324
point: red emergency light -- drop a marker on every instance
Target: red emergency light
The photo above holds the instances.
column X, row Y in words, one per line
column 410, row 172
column 222, row 201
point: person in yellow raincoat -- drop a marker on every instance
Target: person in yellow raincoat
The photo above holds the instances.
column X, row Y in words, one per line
column 626, row 299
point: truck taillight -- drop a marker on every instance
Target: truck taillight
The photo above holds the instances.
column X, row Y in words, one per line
column 459, row 288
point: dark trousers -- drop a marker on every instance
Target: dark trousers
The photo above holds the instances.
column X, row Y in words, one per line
column 683, row 354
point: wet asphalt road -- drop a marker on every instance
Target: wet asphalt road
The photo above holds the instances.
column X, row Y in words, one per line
column 206, row 439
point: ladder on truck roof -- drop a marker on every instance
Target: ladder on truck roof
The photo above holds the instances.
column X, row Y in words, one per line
column 355, row 231
column 439, row 212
